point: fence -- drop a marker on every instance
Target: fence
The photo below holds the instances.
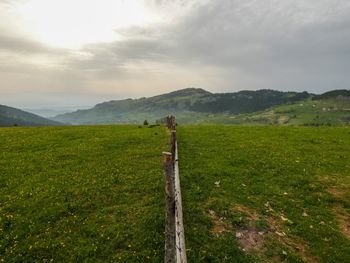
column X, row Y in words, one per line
column 175, row 249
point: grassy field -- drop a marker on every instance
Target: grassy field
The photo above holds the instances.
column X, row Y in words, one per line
column 330, row 112
column 73, row 194
column 266, row 194
column 250, row 194
column 327, row 112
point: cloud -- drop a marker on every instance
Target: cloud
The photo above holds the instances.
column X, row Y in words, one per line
column 24, row 45
column 265, row 40
column 253, row 38
column 222, row 45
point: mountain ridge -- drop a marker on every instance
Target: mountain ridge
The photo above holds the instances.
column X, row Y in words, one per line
column 10, row 116
column 190, row 100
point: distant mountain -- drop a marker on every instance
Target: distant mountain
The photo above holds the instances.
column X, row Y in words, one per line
column 329, row 109
column 334, row 94
column 54, row 111
column 182, row 102
column 246, row 101
column 14, row 117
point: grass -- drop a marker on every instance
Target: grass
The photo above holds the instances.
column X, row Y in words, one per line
column 330, row 112
column 95, row 194
column 283, row 191
column 73, row 194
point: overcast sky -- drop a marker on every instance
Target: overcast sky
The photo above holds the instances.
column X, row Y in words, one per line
column 80, row 52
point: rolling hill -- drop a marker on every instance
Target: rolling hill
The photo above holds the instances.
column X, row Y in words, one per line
column 184, row 103
column 14, row 117
column 328, row 109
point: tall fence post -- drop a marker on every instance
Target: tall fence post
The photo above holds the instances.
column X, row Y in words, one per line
column 175, row 249
column 179, row 227
column 170, row 237
column 170, row 122
column 173, row 145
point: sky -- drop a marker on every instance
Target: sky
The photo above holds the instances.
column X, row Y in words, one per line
column 60, row 53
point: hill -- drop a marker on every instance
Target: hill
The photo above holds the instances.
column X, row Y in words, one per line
column 183, row 102
column 334, row 94
column 329, row 109
column 14, row 117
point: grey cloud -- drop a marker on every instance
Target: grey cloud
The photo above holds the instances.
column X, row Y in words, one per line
column 112, row 59
column 23, row 45
column 221, row 45
column 281, row 44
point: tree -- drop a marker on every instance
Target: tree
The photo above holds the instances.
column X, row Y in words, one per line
column 145, row 122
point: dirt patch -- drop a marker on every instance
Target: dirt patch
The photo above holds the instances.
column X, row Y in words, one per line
column 253, row 237
column 250, row 239
column 219, row 226
column 294, row 243
column 336, row 192
column 336, row 187
column 343, row 219
column 251, row 214
column 298, row 246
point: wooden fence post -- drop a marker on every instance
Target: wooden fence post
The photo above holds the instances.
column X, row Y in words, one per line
column 170, row 122
column 170, row 237
column 181, row 256
column 173, row 123
column 173, row 144
column 175, row 249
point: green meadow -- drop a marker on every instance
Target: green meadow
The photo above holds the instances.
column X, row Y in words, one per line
column 266, row 194
column 250, row 194
column 309, row 112
column 73, row 194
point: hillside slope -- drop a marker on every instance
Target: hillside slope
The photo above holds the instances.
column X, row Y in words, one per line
column 321, row 110
column 340, row 94
column 186, row 101
column 328, row 109
column 14, row 117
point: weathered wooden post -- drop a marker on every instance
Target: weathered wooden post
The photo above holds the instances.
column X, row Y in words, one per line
column 175, row 249
column 173, row 122
column 170, row 237
column 181, row 256
column 173, row 144
column 170, row 122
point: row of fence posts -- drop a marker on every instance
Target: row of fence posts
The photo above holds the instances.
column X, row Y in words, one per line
column 175, row 250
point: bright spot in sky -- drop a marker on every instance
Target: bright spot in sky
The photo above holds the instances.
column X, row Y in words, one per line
column 73, row 23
